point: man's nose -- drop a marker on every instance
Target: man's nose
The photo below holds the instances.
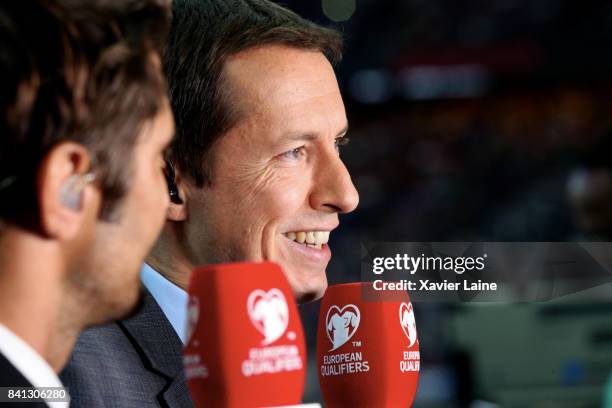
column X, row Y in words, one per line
column 333, row 189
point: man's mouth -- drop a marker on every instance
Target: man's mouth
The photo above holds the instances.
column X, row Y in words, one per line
column 313, row 239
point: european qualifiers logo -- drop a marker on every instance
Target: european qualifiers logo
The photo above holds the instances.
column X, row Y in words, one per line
column 341, row 324
column 408, row 323
column 269, row 314
column 411, row 360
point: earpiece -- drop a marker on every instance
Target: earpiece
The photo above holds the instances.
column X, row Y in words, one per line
column 72, row 188
column 171, row 181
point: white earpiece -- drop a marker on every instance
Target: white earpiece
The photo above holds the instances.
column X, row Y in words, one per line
column 72, row 190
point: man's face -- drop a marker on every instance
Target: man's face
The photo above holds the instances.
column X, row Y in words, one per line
column 278, row 183
column 122, row 244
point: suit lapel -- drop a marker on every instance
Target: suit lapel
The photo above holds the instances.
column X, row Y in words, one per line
column 160, row 348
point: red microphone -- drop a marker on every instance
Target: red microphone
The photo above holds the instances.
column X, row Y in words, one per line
column 367, row 350
column 245, row 344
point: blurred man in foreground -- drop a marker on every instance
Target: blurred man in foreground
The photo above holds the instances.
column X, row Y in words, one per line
column 257, row 176
column 85, row 122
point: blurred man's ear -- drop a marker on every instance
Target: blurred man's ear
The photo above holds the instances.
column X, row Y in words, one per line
column 64, row 190
column 177, row 210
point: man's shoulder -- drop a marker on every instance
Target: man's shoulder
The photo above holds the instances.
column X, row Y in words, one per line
column 110, row 339
column 101, row 343
column 108, row 348
column 100, row 338
column 106, row 369
column 101, row 374
column 127, row 363
column 100, row 355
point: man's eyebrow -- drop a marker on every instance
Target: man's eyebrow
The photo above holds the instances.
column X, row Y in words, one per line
column 311, row 136
column 301, row 136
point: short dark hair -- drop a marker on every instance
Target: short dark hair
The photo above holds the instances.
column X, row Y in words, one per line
column 203, row 35
column 76, row 71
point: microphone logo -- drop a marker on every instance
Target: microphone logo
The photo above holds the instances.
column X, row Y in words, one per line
column 341, row 324
column 406, row 316
column 269, row 313
column 193, row 313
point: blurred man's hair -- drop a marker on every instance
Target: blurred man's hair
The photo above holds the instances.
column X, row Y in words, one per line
column 76, row 71
column 204, row 34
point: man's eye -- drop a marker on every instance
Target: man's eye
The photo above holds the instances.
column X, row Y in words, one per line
column 342, row 141
column 294, row 153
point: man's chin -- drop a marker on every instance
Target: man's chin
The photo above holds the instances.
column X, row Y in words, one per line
column 310, row 290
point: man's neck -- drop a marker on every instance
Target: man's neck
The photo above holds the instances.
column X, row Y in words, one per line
column 168, row 258
column 174, row 270
column 31, row 297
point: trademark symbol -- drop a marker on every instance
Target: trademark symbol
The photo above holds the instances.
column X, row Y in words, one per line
column 356, row 344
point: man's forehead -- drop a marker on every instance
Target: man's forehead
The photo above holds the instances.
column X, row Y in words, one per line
column 285, row 90
column 280, row 73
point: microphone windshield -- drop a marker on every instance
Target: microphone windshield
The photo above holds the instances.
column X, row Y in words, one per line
column 367, row 351
column 245, row 344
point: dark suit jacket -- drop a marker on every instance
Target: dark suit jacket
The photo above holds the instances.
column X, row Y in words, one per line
column 133, row 363
column 11, row 377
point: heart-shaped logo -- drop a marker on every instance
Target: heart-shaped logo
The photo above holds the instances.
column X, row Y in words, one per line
column 193, row 313
column 341, row 324
column 406, row 316
column 269, row 313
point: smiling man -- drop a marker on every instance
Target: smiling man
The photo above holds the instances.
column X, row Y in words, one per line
column 256, row 175
column 260, row 123
column 276, row 183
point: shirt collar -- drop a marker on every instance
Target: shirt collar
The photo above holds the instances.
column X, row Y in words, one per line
column 28, row 362
column 171, row 299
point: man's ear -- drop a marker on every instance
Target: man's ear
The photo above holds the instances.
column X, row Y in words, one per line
column 177, row 210
column 65, row 195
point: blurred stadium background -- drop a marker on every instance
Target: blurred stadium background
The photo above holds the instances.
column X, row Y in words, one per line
column 481, row 120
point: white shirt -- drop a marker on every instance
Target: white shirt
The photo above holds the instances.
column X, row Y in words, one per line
column 29, row 363
column 171, row 299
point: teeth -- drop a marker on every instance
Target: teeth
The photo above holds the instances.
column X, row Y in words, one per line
column 310, row 239
column 300, row 237
column 318, row 237
column 313, row 239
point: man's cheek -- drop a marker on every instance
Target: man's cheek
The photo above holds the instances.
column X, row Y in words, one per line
column 254, row 180
column 272, row 207
column 287, row 186
column 287, row 197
